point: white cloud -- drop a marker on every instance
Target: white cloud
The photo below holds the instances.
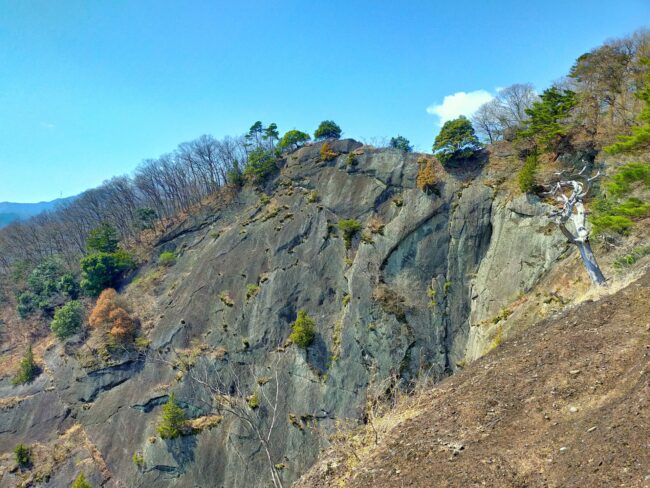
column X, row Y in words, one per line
column 460, row 103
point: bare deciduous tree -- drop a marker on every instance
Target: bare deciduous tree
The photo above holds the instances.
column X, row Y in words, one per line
column 504, row 114
column 227, row 391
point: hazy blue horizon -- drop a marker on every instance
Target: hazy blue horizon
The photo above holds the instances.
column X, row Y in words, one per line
column 89, row 89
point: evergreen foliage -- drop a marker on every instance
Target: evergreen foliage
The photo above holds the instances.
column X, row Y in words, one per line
column 456, row 141
column 401, row 143
column 67, row 319
column 146, row 217
column 27, row 370
column 303, row 330
column 261, row 163
column 46, row 285
column 293, row 139
column 234, row 175
column 616, row 210
column 526, row 176
column 547, row 122
column 102, row 239
column 23, row 455
column 173, row 419
column 327, row 129
column 103, row 270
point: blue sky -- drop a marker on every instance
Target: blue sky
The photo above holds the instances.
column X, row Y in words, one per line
column 90, row 88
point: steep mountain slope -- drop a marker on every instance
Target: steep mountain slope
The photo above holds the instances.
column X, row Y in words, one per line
column 426, row 268
column 565, row 403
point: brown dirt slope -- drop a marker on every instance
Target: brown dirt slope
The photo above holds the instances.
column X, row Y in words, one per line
column 565, row 403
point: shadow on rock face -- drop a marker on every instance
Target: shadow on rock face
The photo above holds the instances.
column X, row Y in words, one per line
column 318, row 355
column 467, row 168
column 182, row 450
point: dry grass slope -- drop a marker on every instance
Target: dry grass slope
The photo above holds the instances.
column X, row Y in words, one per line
column 564, row 403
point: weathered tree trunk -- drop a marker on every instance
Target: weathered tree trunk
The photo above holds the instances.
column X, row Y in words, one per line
column 574, row 210
column 589, row 260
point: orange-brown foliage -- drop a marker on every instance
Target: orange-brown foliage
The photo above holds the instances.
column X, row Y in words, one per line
column 113, row 318
column 105, row 303
column 122, row 328
column 327, row 153
column 426, row 179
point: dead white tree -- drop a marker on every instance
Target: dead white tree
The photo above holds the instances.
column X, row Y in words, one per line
column 570, row 192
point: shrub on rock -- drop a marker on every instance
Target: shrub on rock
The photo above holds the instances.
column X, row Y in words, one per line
column 303, row 330
column 68, row 319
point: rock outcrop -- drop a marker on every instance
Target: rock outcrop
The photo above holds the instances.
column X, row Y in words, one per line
column 406, row 298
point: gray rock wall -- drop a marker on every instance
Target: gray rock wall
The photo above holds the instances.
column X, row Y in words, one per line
column 399, row 302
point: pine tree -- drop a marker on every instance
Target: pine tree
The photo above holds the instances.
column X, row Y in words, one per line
column 327, row 129
column 548, row 118
column 173, row 419
column 456, row 141
column 401, row 143
column 27, row 370
column 80, row 482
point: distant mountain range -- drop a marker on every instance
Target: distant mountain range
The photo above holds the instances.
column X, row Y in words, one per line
column 10, row 212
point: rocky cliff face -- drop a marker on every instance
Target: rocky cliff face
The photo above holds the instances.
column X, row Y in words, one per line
column 406, row 298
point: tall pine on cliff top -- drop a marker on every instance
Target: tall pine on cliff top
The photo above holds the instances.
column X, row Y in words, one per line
column 456, row 141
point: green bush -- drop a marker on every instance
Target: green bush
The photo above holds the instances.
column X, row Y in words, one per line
column 138, row 459
column 146, row 217
column 349, row 228
column 628, row 175
column 25, row 306
column 456, row 141
column 234, row 175
column 27, row 370
column 251, row 290
column 103, row 270
column 67, row 319
column 401, row 143
column 167, row 258
column 23, row 455
column 327, row 130
column 612, row 212
column 80, row 482
column 69, row 286
column 102, row 239
column 293, row 139
column 261, row 164
column 303, row 330
column 611, row 223
column 526, row 176
column 173, row 419
column 47, row 284
column 253, row 401
column 629, row 259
